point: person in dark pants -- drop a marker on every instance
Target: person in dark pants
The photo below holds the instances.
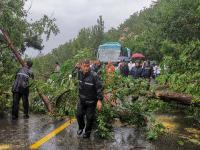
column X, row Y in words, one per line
column 90, row 97
column 20, row 89
column 147, row 70
column 124, row 70
column 136, row 71
column 147, row 73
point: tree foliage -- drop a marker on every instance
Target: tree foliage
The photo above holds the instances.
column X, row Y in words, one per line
column 13, row 19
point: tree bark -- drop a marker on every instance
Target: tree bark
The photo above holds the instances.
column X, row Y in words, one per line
column 45, row 99
column 10, row 45
column 172, row 96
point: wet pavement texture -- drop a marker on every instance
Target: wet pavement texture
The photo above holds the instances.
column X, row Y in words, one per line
column 22, row 133
column 125, row 138
column 178, row 130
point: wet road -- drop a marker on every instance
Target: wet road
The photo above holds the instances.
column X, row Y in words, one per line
column 124, row 139
column 21, row 133
column 24, row 132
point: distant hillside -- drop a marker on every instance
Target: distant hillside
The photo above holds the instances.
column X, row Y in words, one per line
column 143, row 31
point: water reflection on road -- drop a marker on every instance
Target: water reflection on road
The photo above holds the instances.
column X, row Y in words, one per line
column 24, row 132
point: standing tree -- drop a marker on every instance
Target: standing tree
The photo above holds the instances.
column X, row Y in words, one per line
column 98, row 32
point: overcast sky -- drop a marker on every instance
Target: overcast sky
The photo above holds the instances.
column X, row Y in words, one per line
column 72, row 15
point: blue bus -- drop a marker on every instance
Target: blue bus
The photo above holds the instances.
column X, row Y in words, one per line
column 113, row 51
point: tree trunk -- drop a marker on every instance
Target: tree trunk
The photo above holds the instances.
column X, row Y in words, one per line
column 172, row 96
column 45, row 99
column 10, row 45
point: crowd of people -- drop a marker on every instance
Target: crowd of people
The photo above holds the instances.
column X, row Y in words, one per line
column 138, row 69
column 90, row 88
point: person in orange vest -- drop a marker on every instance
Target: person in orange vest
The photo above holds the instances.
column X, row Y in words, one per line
column 110, row 68
column 110, row 73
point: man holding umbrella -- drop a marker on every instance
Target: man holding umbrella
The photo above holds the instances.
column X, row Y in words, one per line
column 136, row 71
column 138, row 56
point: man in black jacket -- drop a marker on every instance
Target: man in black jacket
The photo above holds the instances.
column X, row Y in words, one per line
column 124, row 70
column 136, row 71
column 90, row 97
column 147, row 70
column 20, row 89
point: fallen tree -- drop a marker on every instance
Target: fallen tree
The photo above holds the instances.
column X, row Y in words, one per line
column 172, row 96
column 22, row 62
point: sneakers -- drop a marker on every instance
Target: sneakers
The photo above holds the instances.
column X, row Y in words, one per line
column 86, row 135
column 80, row 131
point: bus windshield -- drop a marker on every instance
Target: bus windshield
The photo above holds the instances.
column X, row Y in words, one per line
column 113, row 51
column 106, row 55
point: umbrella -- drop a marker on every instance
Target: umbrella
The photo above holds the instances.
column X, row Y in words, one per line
column 137, row 55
